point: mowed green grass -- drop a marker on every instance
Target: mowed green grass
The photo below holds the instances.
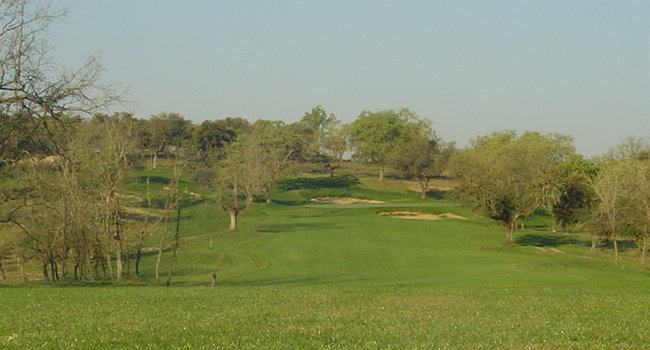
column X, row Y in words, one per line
column 300, row 275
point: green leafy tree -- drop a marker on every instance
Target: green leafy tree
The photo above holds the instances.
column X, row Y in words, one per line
column 274, row 144
column 335, row 145
column 321, row 122
column 576, row 198
column 507, row 176
column 328, row 139
column 164, row 131
column 415, row 159
column 212, row 134
column 237, row 177
column 638, row 199
column 374, row 136
column 608, row 218
column 218, row 133
column 622, row 208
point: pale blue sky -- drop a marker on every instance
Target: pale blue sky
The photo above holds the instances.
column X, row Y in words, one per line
column 472, row 67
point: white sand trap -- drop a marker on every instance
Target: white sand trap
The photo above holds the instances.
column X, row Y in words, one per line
column 452, row 216
column 420, row 216
column 554, row 250
column 342, row 200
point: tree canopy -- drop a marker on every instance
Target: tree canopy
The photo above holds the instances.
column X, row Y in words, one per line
column 374, row 136
column 509, row 176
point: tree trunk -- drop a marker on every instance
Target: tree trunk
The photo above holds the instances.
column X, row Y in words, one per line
column 523, row 222
column 64, row 268
column 127, row 258
column 510, row 234
column 107, row 232
column 21, row 268
column 381, row 173
column 45, row 275
column 108, row 256
column 161, row 245
column 554, row 223
column 138, row 254
column 233, row 218
column 160, row 250
column 2, row 272
column 267, row 194
column 594, row 240
column 118, row 260
column 645, row 249
column 172, row 260
column 155, row 160
column 615, row 252
column 53, row 270
column 424, row 186
column 94, row 274
column 216, row 268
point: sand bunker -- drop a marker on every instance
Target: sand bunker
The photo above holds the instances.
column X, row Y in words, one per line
column 421, row 216
column 342, row 200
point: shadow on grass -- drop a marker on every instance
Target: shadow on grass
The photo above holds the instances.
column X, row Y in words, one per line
column 542, row 240
column 317, row 182
column 622, row 245
column 152, row 180
column 436, row 194
column 283, row 228
column 159, row 203
column 289, row 202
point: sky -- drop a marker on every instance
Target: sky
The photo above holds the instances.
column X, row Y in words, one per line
column 471, row 67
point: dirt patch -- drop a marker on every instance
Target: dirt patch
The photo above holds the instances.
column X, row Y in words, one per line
column 342, row 200
column 142, row 212
column 420, row 216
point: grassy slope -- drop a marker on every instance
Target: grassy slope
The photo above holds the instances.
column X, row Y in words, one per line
column 304, row 276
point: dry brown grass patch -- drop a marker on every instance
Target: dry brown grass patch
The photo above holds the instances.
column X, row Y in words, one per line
column 342, row 200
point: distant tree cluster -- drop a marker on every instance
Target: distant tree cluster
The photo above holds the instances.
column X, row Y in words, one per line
column 509, row 177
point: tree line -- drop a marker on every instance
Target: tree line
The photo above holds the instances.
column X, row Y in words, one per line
column 65, row 198
column 509, row 177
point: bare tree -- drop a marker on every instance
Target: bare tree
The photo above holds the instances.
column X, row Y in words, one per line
column 172, row 207
column 35, row 93
column 39, row 102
